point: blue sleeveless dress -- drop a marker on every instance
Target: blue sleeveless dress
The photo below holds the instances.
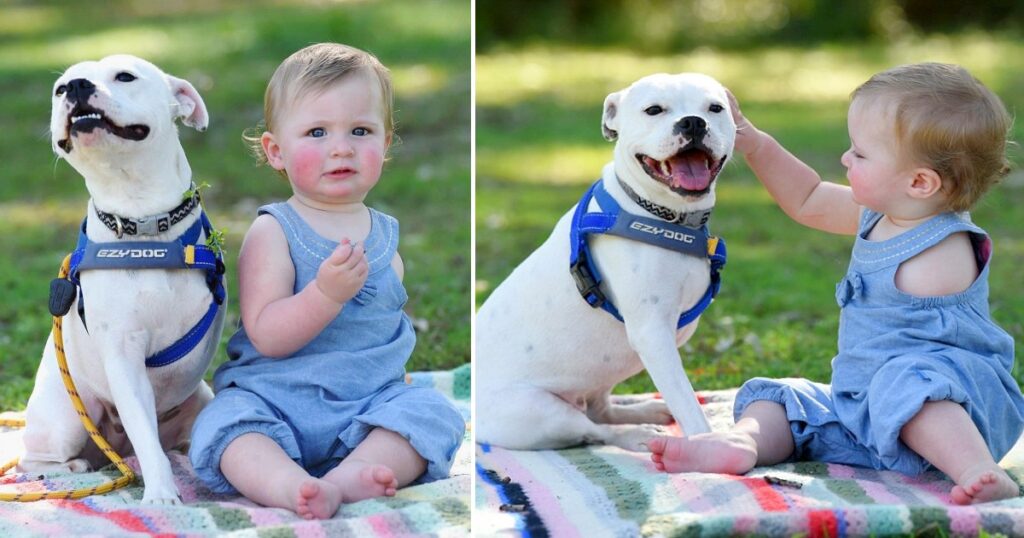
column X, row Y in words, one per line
column 322, row 401
column 898, row 351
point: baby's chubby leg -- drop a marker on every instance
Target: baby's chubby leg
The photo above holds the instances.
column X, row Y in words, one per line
column 378, row 466
column 761, row 436
column 262, row 471
column 944, row 434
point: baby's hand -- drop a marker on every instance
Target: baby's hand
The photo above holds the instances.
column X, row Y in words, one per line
column 748, row 138
column 343, row 273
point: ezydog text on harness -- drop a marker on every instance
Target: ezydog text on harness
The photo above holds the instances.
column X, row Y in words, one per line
column 611, row 219
column 181, row 253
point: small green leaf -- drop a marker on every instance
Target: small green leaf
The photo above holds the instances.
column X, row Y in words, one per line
column 196, row 189
column 216, row 241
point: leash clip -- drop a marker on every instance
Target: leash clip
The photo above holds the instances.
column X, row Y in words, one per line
column 120, row 227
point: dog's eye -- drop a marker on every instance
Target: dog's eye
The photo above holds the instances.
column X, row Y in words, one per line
column 716, row 108
column 654, row 110
column 61, row 90
column 125, row 77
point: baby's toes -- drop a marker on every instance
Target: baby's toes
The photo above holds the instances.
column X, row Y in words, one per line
column 960, row 496
column 384, row 476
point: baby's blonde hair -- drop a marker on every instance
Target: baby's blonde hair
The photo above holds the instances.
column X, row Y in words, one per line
column 314, row 69
column 947, row 120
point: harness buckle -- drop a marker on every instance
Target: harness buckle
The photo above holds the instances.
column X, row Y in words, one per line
column 586, row 284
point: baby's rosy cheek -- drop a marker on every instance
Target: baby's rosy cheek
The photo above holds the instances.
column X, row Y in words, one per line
column 306, row 161
column 374, row 159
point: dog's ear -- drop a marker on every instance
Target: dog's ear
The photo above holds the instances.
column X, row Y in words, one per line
column 191, row 109
column 609, row 125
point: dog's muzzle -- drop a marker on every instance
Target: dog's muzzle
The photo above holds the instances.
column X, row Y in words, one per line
column 690, row 172
column 84, row 118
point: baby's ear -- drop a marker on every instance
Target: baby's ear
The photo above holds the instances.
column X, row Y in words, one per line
column 272, row 150
column 924, row 183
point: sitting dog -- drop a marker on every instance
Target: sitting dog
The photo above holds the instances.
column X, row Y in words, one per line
column 550, row 345
column 141, row 323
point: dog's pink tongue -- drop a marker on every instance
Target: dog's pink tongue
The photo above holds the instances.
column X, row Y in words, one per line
column 690, row 171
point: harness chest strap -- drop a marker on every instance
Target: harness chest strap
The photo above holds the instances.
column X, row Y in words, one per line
column 182, row 253
column 612, row 220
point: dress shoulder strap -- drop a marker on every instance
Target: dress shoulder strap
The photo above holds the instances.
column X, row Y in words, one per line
column 895, row 250
column 382, row 243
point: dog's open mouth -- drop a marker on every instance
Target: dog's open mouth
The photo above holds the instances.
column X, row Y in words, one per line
column 689, row 172
column 84, row 119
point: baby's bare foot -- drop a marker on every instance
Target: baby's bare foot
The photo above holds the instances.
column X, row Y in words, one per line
column 983, row 483
column 318, row 499
column 358, row 480
column 730, row 453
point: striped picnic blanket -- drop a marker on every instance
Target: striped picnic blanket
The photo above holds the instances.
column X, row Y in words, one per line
column 436, row 509
column 605, row 491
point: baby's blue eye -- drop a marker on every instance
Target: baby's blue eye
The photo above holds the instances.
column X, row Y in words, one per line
column 318, row 132
column 360, row 131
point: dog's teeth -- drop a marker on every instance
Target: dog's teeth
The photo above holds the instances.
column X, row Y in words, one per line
column 75, row 119
column 665, row 171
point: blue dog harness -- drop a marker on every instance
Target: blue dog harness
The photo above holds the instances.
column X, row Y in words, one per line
column 185, row 252
column 612, row 220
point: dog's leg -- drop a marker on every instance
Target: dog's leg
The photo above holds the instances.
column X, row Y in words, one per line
column 54, row 436
column 534, row 419
column 124, row 363
column 176, row 424
column 605, row 410
column 654, row 339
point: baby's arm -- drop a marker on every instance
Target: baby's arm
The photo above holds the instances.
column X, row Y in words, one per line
column 796, row 187
column 277, row 320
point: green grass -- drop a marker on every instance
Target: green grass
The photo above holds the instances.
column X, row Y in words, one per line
column 228, row 50
column 539, row 145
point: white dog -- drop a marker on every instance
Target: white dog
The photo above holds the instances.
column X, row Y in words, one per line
column 114, row 122
column 546, row 359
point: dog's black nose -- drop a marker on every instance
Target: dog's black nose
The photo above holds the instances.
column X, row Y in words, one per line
column 79, row 90
column 692, row 127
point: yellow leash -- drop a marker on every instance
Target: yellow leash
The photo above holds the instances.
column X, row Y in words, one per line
column 127, row 475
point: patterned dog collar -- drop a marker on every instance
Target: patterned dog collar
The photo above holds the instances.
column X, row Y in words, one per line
column 693, row 219
column 152, row 224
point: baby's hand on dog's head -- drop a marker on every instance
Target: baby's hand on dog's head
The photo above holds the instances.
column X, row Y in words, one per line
column 747, row 136
column 343, row 273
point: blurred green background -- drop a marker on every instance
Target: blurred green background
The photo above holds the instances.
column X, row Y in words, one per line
column 228, row 50
column 541, row 80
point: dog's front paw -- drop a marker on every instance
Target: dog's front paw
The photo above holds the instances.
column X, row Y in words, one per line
column 161, row 495
column 162, row 502
column 77, row 465
column 634, row 437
